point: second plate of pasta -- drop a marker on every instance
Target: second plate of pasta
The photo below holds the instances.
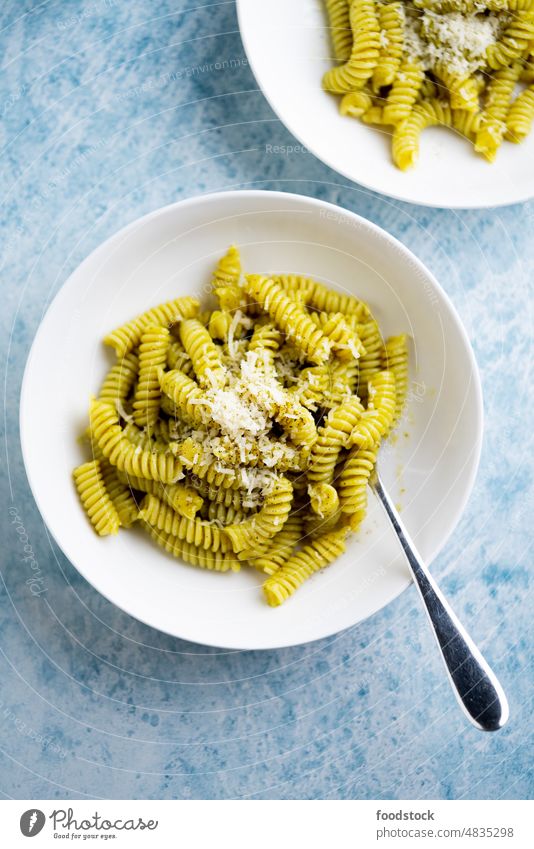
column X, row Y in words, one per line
column 428, row 101
column 255, row 357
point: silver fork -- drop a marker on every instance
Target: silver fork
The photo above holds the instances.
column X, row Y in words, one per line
column 475, row 685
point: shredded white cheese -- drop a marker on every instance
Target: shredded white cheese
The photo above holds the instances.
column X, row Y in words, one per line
column 239, row 420
column 459, row 41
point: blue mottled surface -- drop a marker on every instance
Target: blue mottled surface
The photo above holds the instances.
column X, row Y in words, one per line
column 109, row 110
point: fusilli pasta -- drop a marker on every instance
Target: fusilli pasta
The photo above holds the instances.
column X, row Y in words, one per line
column 449, row 63
column 245, row 435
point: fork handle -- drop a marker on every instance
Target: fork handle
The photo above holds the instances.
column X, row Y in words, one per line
column 475, row 685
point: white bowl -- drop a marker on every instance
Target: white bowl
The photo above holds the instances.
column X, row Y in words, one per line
column 172, row 252
column 288, row 47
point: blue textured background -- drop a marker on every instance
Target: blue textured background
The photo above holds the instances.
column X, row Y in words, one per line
column 110, row 109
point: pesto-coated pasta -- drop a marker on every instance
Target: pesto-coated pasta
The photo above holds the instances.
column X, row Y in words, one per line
column 520, row 116
column 391, row 21
column 395, row 360
column 245, row 436
column 282, row 544
column 289, row 317
column 332, row 437
column 365, row 51
column 204, row 353
column 95, row 498
column 204, row 558
column 340, row 30
column 153, row 348
column 405, row 147
column 251, row 535
column 426, row 63
column 124, row 454
column 119, row 380
column 128, row 336
column 300, row 566
column 195, row 531
column 186, row 394
column 379, row 416
column 492, row 123
column 120, row 495
column 183, row 499
column 352, row 484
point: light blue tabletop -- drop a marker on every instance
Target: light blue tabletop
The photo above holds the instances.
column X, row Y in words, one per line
column 112, row 108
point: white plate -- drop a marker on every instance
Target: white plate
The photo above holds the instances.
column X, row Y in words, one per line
column 288, row 46
column 172, row 252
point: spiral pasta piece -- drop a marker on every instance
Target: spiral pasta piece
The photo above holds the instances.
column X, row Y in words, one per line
column 266, row 339
column 95, row 498
column 324, row 499
column 352, row 484
column 202, row 465
column 125, row 338
column 118, row 449
column 311, row 386
column 205, row 355
column 395, row 359
column 341, row 332
column 228, row 269
column 225, row 515
column 467, row 123
column 178, row 358
column 153, row 348
column 298, row 422
column 370, row 362
column 406, row 136
column 215, row 561
column 226, row 282
column 520, row 116
column 378, row 419
column 316, row 555
column 514, row 42
column 119, row 380
column 201, row 534
column 289, row 317
column 297, row 286
column 342, row 382
column 250, row 535
column 219, row 324
column 332, row 437
column 185, row 394
column 391, row 21
column 328, row 300
column 365, row 50
column 492, row 123
column 183, row 499
column 281, row 547
column 374, row 115
column 404, row 92
column 340, row 29
column 120, row 495
column 463, row 91
column 356, row 103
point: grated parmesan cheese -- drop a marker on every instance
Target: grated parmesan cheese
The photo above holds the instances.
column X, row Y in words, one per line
column 231, row 411
column 457, row 40
column 239, row 419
